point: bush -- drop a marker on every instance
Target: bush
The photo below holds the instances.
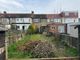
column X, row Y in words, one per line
column 38, row 49
column 32, row 29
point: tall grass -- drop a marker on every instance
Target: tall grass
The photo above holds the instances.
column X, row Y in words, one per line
column 14, row 53
column 12, row 49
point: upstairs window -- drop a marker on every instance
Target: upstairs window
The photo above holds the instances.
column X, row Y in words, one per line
column 17, row 19
column 52, row 20
column 36, row 20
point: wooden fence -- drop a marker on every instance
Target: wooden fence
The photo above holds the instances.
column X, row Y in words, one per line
column 71, row 41
column 14, row 38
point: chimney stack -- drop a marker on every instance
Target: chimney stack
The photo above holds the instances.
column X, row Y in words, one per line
column 32, row 12
column 4, row 12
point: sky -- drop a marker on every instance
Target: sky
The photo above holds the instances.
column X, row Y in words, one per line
column 39, row 6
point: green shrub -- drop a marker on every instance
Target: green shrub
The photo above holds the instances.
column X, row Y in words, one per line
column 71, row 51
column 32, row 29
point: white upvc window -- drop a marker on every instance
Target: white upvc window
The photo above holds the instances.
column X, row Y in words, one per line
column 52, row 20
column 36, row 20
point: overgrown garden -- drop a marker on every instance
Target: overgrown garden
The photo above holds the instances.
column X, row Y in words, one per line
column 35, row 45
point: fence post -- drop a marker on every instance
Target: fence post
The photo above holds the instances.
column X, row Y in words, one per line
column 78, row 26
column 2, row 44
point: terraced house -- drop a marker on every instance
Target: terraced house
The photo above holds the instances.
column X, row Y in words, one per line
column 23, row 20
column 63, row 17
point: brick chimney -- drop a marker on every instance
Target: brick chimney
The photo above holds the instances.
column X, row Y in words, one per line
column 4, row 12
column 32, row 14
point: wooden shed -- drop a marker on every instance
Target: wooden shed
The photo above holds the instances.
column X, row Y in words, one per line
column 57, row 28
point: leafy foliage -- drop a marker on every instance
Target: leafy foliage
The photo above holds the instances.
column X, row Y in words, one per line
column 37, row 46
column 32, row 29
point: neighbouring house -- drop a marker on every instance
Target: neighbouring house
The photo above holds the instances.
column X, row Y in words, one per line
column 51, row 18
column 23, row 20
column 22, row 23
column 40, row 19
column 69, row 16
column 56, row 28
column 63, row 17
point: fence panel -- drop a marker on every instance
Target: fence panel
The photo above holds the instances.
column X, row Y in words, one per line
column 72, row 41
column 2, row 45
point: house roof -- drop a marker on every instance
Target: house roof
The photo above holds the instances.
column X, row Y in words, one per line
column 14, row 15
column 68, row 14
column 53, row 16
column 43, row 16
column 21, row 23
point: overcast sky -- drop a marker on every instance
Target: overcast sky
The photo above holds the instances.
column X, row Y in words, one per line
column 39, row 6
